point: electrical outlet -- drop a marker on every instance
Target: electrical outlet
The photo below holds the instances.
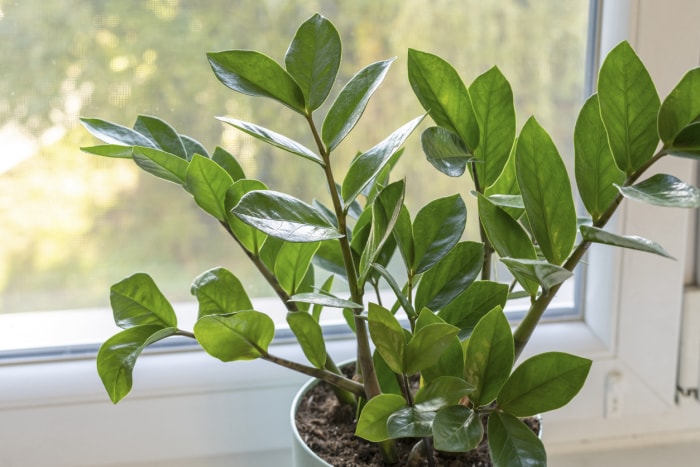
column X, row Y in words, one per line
column 614, row 389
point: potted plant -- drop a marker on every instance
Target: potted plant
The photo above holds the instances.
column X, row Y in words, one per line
column 437, row 365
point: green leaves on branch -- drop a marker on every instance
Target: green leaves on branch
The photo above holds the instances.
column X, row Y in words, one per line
column 137, row 301
column 595, row 235
column 244, row 335
column 663, row 190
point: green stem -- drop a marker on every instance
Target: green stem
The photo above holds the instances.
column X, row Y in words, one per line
column 488, row 249
column 527, row 326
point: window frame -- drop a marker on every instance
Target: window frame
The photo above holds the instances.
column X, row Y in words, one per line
column 199, row 399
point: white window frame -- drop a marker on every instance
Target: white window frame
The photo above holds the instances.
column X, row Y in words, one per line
column 187, row 407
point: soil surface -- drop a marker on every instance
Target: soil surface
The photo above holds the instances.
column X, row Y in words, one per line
column 328, row 429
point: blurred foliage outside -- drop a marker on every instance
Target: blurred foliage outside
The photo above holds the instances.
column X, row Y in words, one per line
column 74, row 224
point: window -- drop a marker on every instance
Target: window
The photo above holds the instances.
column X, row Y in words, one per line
column 74, row 224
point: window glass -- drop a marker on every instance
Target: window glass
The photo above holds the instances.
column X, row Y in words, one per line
column 73, row 224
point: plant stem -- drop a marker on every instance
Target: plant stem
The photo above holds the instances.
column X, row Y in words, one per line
column 527, row 326
column 488, row 249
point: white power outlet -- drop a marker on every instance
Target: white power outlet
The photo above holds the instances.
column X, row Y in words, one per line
column 614, row 389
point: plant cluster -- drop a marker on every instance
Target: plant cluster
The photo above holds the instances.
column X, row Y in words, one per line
column 447, row 322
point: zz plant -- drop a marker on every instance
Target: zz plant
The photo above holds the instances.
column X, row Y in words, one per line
column 453, row 333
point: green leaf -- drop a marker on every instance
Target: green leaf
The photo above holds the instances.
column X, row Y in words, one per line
column 161, row 134
column 325, row 290
column 250, row 238
column 372, row 424
column 161, row 164
column 450, row 276
column 403, row 233
column 114, row 134
column 457, row 429
column 687, row 143
column 681, row 107
column 507, row 236
column 313, row 59
column 365, row 167
column 229, row 163
column 427, row 345
column 442, row 392
column 663, row 190
column 596, row 235
column 388, row 336
column 324, row 300
column 512, row 443
column 275, row 139
column 285, row 217
column 546, row 189
column 596, row 172
column 193, row 147
column 544, row 382
column 493, row 103
column 137, row 300
column 410, row 423
column 387, row 378
column 351, row 103
column 255, row 74
column 219, row 292
column 117, row 356
column 292, row 263
column 244, row 335
column 400, row 295
column 209, row 183
column 489, row 359
column 471, row 305
column 109, row 150
column 443, row 95
column 629, row 106
column 309, row 335
column 438, row 227
column 546, row 274
column 445, row 151
column 385, row 212
column 330, row 257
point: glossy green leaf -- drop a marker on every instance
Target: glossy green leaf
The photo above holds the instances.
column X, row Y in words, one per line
column 228, row 162
column 450, row 363
column 366, row 166
column 596, row 172
column 398, row 291
column 410, row 423
column 506, row 235
column 546, row 189
column 387, row 378
column 471, row 305
column 310, row 337
column 512, row 443
column 193, row 147
column 546, row 274
column 489, row 357
column 629, row 106
column 324, row 300
column 427, row 345
column 329, row 256
column 664, row 190
column 457, row 429
column 450, row 276
column 388, row 336
column 544, row 382
column 161, row 134
column 114, row 134
column 249, row 237
column 269, row 250
column 403, row 233
column 161, row 164
column 681, row 107
column 596, row 235
column 385, row 212
column 285, row 217
column 438, row 227
column 493, row 103
column 372, row 424
column 275, row 139
column 255, row 74
column 687, row 143
column 137, row 300
column 244, row 335
column 313, row 59
column 292, row 263
column 219, row 292
column 209, row 183
column 443, row 95
column 117, row 356
column 351, row 103
column 109, row 150
column 442, row 392
column 445, row 151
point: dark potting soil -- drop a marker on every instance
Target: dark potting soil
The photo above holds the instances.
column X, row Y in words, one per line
column 328, row 428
